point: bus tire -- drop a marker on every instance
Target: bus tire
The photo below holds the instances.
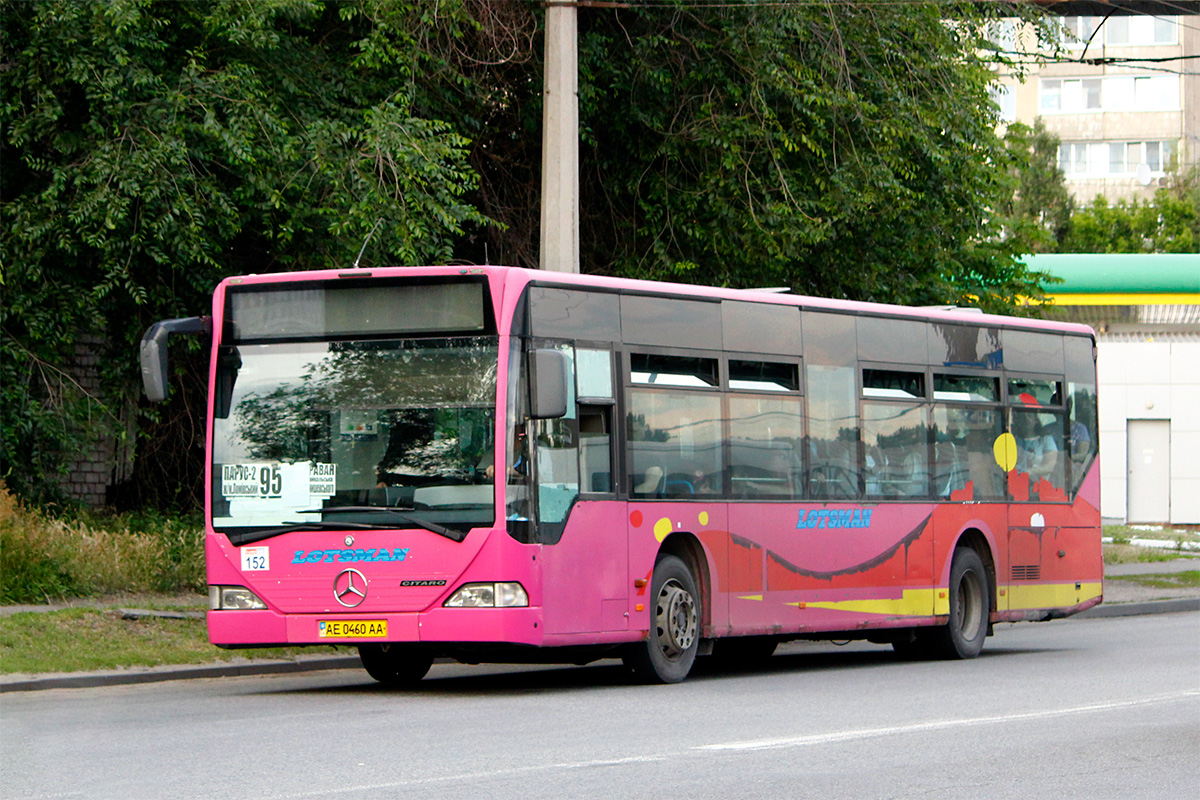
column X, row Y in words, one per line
column 970, row 608
column 394, row 664
column 669, row 651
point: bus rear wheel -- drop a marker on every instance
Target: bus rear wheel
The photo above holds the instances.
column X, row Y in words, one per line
column 670, row 648
column 394, row 664
column 963, row 635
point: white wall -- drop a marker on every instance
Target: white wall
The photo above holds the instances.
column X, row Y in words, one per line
column 1150, row 380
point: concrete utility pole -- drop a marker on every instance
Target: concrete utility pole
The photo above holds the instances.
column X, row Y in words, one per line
column 560, row 140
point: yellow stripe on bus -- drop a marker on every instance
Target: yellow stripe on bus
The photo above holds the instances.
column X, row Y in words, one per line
column 912, row 603
column 1051, row 595
column 936, row 602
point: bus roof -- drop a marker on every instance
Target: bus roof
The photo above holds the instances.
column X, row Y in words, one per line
column 518, row 277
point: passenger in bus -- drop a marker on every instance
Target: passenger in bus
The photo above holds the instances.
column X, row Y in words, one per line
column 976, row 434
column 1037, row 451
column 1081, row 440
column 875, row 468
column 703, row 483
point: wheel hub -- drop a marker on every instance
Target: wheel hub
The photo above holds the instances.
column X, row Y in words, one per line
column 675, row 619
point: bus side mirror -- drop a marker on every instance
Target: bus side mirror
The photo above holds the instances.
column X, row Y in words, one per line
column 154, row 352
column 549, row 384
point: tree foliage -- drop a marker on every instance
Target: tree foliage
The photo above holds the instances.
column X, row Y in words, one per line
column 1043, row 215
column 1039, row 213
column 1170, row 223
column 843, row 150
column 149, row 149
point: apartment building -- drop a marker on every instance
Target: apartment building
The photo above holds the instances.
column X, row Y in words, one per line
column 1123, row 96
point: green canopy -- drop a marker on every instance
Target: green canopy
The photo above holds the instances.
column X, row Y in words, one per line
column 1119, row 273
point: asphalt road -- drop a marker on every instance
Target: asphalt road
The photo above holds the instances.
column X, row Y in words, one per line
column 1088, row 708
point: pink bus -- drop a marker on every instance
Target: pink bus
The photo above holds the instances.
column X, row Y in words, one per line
column 503, row 465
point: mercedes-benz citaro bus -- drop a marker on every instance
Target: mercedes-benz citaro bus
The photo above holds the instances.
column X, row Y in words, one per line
column 505, row 465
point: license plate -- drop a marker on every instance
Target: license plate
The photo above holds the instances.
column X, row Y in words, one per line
column 352, row 628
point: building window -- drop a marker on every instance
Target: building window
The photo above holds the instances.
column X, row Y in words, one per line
column 1156, row 93
column 1051, row 95
column 1109, row 159
column 1003, row 34
column 1005, row 98
column 1165, row 30
column 1079, row 30
column 1116, row 30
column 1117, row 161
column 1073, row 95
column 1156, row 155
column 1136, row 31
column 1117, row 93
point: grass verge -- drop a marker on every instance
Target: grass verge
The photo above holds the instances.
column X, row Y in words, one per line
column 1189, row 579
column 1132, row 554
column 86, row 639
column 44, row 558
column 1123, row 551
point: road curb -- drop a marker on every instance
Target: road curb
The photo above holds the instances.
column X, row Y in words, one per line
column 316, row 664
column 1138, row 609
column 87, row 680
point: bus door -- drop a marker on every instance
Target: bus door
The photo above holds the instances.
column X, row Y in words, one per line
column 585, row 560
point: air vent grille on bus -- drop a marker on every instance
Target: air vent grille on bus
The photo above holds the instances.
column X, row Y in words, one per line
column 1026, row 572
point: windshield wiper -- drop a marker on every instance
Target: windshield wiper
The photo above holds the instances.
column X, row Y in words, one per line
column 267, row 533
column 452, row 534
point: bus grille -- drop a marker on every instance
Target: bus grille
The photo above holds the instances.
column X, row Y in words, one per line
column 1026, row 572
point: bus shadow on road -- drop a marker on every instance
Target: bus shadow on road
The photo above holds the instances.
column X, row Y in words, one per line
column 508, row 679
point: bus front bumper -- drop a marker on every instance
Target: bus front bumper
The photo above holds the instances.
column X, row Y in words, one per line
column 267, row 628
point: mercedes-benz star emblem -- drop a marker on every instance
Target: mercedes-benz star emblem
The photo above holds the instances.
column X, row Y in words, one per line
column 350, row 587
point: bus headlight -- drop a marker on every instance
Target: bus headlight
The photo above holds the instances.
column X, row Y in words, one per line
column 226, row 598
column 489, row 595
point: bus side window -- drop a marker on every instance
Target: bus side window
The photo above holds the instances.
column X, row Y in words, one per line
column 1039, row 438
column 765, row 446
column 556, row 459
column 1082, row 434
column 595, row 448
column 594, row 376
column 1082, row 430
column 963, row 452
column 674, row 443
column 832, row 426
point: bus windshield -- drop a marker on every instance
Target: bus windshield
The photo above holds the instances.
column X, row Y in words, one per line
column 368, row 433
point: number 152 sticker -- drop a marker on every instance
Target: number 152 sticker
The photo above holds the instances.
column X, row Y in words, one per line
column 256, row 558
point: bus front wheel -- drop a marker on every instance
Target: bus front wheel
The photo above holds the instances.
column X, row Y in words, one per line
column 667, row 654
column 395, row 664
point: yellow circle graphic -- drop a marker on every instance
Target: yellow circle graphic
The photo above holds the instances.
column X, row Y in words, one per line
column 703, row 517
column 1005, row 450
column 662, row 528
